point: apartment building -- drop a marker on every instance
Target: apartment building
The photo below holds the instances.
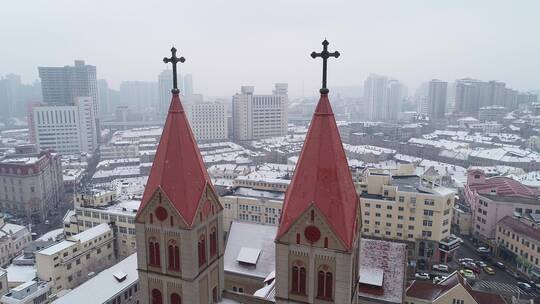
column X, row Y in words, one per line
column 518, row 242
column 260, row 116
column 121, row 216
column 95, row 197
column 411, row 209
column 491, row 199
column 13, row 239
column 30, row 184
column 116, row 285
column 71, row 262
column 208, row 120
column 31, row 292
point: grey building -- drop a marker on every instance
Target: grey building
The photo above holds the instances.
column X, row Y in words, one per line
column 437, row 98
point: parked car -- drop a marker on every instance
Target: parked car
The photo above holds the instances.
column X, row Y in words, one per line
column 471, row 266
column 483, row 250
column 465, row 260
column 489, row 270
column 500, row 265
column 421, row 276
column 524, row 286
column 467, row 273
column 481, row 264
column 438, row 279
column 440, row 267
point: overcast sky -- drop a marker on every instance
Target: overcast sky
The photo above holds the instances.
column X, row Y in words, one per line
column 253, row 42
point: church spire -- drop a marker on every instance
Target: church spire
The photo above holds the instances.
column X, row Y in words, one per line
column 322, row 177
column 178, row 169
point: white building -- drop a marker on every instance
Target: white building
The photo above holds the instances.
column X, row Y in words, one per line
column 118, row 284
column 66, row 128
column 71, row 262
column 165, row 79
column 13, row 239
column 208, row 120
column 260, row 116
column 31, row 292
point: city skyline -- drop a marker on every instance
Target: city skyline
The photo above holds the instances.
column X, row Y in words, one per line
column 439, row 48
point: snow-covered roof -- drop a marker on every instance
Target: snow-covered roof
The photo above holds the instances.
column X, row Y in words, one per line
column 20, row 273
column 92, row 233
column 253, row 243
column 105, row 285
column 371, row 276
column 52, row 235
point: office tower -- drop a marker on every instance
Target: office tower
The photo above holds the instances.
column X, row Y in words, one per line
column 469, row 93
column 15, row 96
column 496, row 91
column 139, row 95
column 396, row 93
column 188, row 85
column 68, row 128
column 510, row 99
column 437, row 98
column 208, row 120
column 165, row 78
column 260, row 116
column 421, row 99
column 375, row 96
column 103, row 97
column 60, row 85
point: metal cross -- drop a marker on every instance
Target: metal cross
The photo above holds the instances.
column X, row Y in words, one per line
column 174, row 60
column 324, row 55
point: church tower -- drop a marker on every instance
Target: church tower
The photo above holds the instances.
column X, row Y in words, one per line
column 317, row 244
column 179, row 225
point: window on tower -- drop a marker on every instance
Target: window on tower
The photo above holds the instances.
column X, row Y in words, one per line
column 298, row 280
column 325, row 281
column 157, row 298
column 202, row 250
column 174, row 256
column 213, row 242
column 175, row 299
column 153, row 253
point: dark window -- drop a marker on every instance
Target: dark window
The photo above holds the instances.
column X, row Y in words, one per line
column 174, row 256
column 157, row 298
column 202, row 250
column 324, row 285
column 175, row 299
column 213, row 242
column 153, row 250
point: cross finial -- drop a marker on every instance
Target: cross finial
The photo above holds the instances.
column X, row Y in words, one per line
column 324, row 55
column 174, row 60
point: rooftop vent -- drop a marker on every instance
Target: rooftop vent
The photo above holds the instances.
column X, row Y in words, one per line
column 120, row 276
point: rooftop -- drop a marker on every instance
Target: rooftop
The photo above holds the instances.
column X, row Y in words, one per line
column 105, row 283
column 520, row 228
column 250, row 250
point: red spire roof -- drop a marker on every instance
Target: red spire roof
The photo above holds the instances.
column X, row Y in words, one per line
column 322, row 177
column 178, row 168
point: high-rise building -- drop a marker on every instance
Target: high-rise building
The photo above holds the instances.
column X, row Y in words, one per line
column 67, row 129
column 139, row 95
column 188, row 85
column 395, row 95
column 437, row 98
column 104, row 101
column 165, row 79
column 260, row 116
column 179, row 225
column 375, row 96
column 16, row 96
column 468, row 96
column 317, row 244
column 208, row 120
column 60, row 85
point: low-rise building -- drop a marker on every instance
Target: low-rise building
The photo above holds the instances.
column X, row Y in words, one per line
column 120, row 214
column 3, row 282
column 31, row 292
column 71, row 262
column 13, row 239
column 462, row 220
column 95, row 197
column 30, row 184
column 518, row 242
column 249, row 256
column 118, row 284
column 454, row 289
column 491, row 199
column 411, row 209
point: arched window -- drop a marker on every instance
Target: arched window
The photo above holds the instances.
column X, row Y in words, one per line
column 298, row 238
column 202, row 250
column 298, row 280
column 157, row 298
column 325, row 285
column 153, row 252
column 325, row 242
column 172, row 221
column 213, row 242
column 175, row 299
column 151, row 218
column 174, row 256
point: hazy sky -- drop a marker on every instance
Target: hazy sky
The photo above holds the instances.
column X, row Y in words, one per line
column 253, row 42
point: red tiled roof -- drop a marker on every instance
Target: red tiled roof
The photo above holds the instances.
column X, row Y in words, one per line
column 178, row 168
column 520, row 228
column 505, row 187
column 322, row 177
column 428, row 291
